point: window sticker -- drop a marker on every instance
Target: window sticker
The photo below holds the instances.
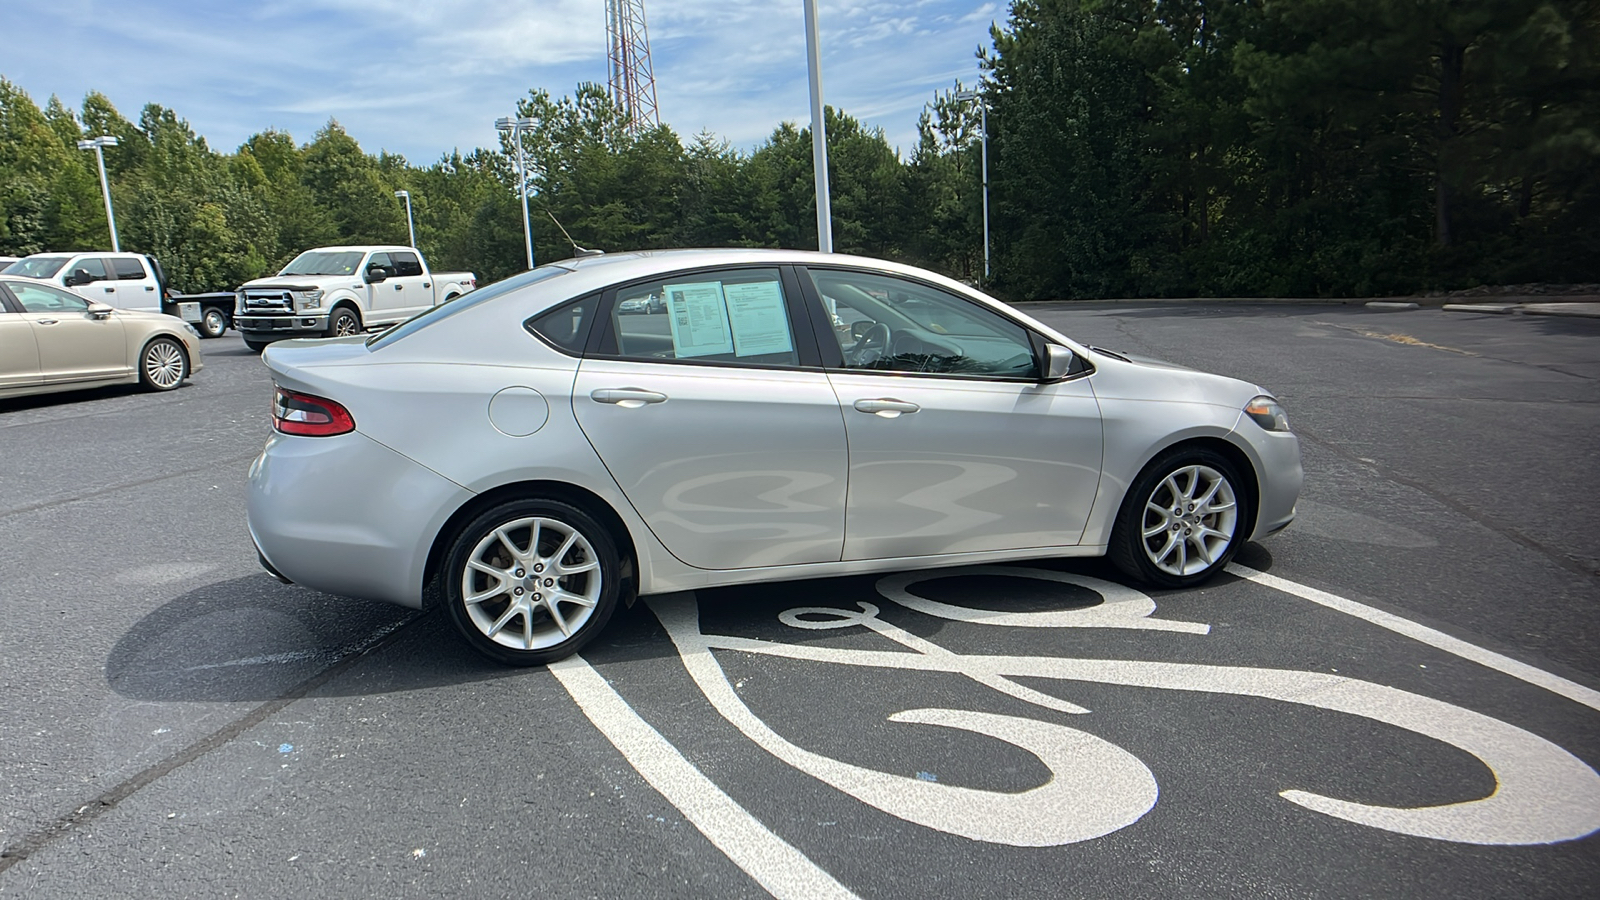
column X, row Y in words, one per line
column 699, row 319
column 760, row 323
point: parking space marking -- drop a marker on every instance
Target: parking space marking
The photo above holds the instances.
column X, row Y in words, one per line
column 1430, row 636
column 774, row 863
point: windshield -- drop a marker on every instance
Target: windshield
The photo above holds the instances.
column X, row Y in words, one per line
column 464, row 302
column 324, row 262
column 37, row 266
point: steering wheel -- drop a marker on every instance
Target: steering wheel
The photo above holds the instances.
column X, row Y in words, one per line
column 869, row 349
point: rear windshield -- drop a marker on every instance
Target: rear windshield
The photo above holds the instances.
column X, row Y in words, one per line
column 464, row 302
column 312, row 262
column 37, row 267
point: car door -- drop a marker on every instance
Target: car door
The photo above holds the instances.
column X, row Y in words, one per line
column 955, row 444
column 19, row 354
column 387, row 297
column 414, row 288
column 91, row 278
column 717, row 421
column 136, row 287
column 73, row 343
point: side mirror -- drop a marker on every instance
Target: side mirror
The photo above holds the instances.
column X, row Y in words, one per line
column 1057, row 362
column 860, row 327
column 77, row 277
column 99, row 310
column 377, row 274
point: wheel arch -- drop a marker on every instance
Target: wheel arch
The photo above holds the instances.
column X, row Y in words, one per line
column 584, row 499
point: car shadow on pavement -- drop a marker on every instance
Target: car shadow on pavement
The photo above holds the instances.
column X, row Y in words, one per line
column 253, row 638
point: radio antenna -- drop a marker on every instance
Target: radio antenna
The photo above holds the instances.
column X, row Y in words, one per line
column 576, row 250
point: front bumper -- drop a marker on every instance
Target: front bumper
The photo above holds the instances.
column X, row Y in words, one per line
column 347, row 515
column 280, row 326
column 1281, row 478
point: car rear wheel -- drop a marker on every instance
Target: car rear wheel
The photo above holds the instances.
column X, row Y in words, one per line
column 531, row 581
column 343, row 323
column 1182, row 520
column 213, row 323
column 163, row 365
column 256, row 346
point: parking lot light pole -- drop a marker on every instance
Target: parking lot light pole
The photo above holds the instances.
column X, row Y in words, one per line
column 97, row 145
column 515, row 128
column 983, row 107
column 819, row 131
column 411, row 228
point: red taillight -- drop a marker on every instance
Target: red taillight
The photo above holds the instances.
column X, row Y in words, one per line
column 303, row 414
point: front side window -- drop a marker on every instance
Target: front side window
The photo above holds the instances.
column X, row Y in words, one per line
column 37, row 298
column 92, row 265
column 380, row 259
column 736, row 317
column 129, row 269
column 883, row 323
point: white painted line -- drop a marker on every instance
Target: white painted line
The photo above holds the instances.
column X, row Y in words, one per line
column 775, row 864
column 1430, row 636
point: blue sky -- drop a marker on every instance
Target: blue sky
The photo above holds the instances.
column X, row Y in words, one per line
column 420, row 77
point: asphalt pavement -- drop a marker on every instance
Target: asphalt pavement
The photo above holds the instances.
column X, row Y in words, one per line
column 1394, row 697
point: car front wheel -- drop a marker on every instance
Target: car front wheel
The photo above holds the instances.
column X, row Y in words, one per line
column 344, row 323
column 531, row 581
column 163, row 365
column 1182, row 520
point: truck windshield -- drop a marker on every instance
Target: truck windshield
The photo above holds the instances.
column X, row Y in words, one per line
column 324, row 262
column 36, row 267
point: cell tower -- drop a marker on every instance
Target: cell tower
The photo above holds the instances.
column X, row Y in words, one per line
column 633, row 83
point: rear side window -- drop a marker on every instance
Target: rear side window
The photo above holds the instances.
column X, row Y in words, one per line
column 738, row 317
column 567, row 326
column 128, row 269
column 405, row 264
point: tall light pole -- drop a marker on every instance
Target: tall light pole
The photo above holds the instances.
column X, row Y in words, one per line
column 96, row 144
column 819, row 131
column 983, row 106
column 410, row 227
column 515, row 128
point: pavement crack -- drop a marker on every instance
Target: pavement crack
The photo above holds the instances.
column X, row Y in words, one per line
column 86, row 812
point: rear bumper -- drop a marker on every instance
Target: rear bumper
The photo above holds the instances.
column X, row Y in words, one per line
column 347, row 515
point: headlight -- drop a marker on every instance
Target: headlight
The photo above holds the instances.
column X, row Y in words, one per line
column 192, row 329
column 309, row 300
column 1268, row 414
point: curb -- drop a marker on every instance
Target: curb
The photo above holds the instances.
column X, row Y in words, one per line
column 1580, row 309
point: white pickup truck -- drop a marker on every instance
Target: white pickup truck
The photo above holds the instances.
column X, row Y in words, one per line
column 333, row 291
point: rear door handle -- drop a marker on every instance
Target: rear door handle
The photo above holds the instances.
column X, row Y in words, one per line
column 627, row 398
column 148, row 288
column 887, row 407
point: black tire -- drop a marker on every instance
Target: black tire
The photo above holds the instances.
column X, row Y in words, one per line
column 526, row 605
column 213, row 322
column 343, row 322
column 163, row 364
column 256, row 346
column 1154, row 535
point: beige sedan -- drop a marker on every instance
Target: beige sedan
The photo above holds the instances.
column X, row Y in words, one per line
column 55, row 340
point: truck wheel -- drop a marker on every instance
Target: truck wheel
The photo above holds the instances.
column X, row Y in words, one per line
column 213, row 323
column 163, row 365
column 343, row 323
column 256, row 346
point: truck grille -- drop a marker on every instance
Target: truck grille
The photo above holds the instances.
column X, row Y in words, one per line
column 273, row 300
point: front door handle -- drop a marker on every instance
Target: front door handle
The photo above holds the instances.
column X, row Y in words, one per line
column 111, row 290
column 627, row 398
column 887, row 407
column 398, row 287
column 47, row 321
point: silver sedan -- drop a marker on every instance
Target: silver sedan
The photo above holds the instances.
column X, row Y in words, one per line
column 528, row 456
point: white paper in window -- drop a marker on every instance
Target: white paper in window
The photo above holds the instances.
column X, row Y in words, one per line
column 760, row 324
column 699, row 319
